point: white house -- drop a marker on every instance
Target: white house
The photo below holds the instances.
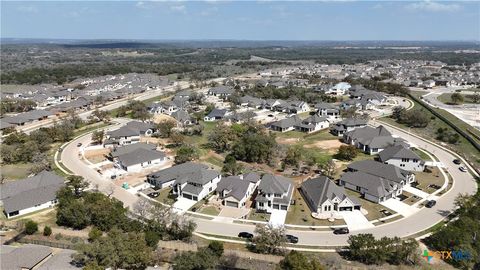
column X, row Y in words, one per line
column 196, row 185
column 403, row 158
column 339, row 89
column 30, row 194
column 313, row 123
column 139, row 159
column 234, row 191
column 274, row 192
column 128, row 134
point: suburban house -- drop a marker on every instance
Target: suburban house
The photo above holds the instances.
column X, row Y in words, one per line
column 234, row 191
column 293, row 107
column 313, row 123
column 328, row 110
column 370, row 140
column 28, row 257
column 237, row 117
column 128, row 134
column 26, row 117
column 165, row 107
column 216, row 114
column 325, row 198
column 30, row 194
column 183, row 118
column 402, row 157
column 286, row 124
column 339, row 89
column 271, row 104
column 122, row 150
column 274, row 193
column 376, row 181
column 138, row 159
column 196, row 185
column 253, row 102
column 347, row 125
column 221, row 91
column 165, row 178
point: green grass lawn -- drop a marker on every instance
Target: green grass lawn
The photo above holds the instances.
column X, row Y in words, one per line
column 259, row 216
column 209, row 210
column 372, row 208
column 425, row 179
column 421, row 154
column 300, row 214
column 215, row 161
column 199, row 141
column 446, row 98
column 166, row 196
column 16, row 171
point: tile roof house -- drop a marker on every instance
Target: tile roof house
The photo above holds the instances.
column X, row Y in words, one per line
column 325, row 198
column 274, row 193
column 167, row 177
column 30, row 194
column 347, row 125
column 402, row 157
column 128, row 134
column 370, row 140
column 376, row 181
column 235, row 191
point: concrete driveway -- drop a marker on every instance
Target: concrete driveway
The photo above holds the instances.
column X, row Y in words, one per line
column 277, row 218
column 356, row 220
column 415, row 191
column 400, row 207
column 182, row 205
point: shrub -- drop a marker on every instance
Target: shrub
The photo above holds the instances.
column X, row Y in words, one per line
column 47, row 231
column 94, row 234
column 31, row 227
column 216, row 247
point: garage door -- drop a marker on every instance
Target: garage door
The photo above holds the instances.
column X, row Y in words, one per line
column 232, row 204
column 284, row 207
column 275, row 206
column 188, row 196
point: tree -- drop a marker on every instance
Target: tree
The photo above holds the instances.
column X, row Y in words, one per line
column 293, row 156
column 31, row 227
column 295, row 260
column 347, row 152
column 203, row 259
column 116, row 250
column 152, row 239
column 216, row 247
column 269, row 239
column 397, row 111
column 94, row 234
column 221, row 139
column 475, row 97
column 328, row 168
column 165, row 128
column 177, row 138
column 186, row 153
column 254, row 147
column 138, row 110
column 97, row 136
column 73, row 214
column 231, row 166
column 40, row 163
column 456, row 98
column 47, row 231
column 77, row 184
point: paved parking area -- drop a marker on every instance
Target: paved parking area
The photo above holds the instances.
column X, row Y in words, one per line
column 277, row 218
column 399, row 207
column 182, row 205
column 356, row 220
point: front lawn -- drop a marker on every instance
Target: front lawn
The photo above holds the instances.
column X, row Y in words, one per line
column 425, row 179
column 421, row 154
column 259, row 216
column 374, row 209
column 209, row 210
column 411, row 199
column 166, row 196
column 16, row 171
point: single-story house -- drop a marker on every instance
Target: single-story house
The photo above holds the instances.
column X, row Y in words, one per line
column 348, row 125
column 137, row 159
column 221, row 91
column 286, row 124
column 216, row 114
column 128, row 134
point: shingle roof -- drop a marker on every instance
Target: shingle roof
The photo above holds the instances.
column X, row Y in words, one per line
column 217, row 113
column 287, row 122
column 321, row 189
column 28, row 192
column 24, row 257
column 274, row 184
column 373, row 185
column 176, row 171
column 132, row 128
column 386, row 171
column 199, row 177
column 181, row 116
column 139, row 155
column 236, row 186
column 118, row 151
column 398, row 151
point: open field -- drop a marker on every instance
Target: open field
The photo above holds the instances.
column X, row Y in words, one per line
column 15, row 171
column 447, row 98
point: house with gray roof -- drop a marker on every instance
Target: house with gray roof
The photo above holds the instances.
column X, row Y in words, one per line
column 128, row 134
column 325, row 198
column 370, row 140
column 216, row 114
column 253, row 102
column 402, row 157
column 183, row 118
column 274, row 193
column 328, row 110
column 347, row 125
column 294, row 106
column 376, row 181
column 121, row 150
column 313, row 123
column 30, row 194
column 271, row 104
column 221, row 91
column 25, row 257
column 196, row 185
column 286, row 124
column 167, row 177
column 235, row 191
column 26, row 117
column 140, row 158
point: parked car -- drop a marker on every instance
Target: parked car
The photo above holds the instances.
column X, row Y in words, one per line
column 462, row 169
column 457, row 161
column 153, row 194
column 113, row 177
column 291, row 239
column 341, row 231
column 79, row 144
column 430, row 204
column 246, row 235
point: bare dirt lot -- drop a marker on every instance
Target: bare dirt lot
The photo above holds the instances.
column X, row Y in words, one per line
column 157, row 118
column 330, row 145
column 97, row 155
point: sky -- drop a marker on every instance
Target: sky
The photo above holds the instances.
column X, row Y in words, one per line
column 242, row 20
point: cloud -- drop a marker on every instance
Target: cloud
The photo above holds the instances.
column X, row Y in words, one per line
column 431, row 6
column 27, row 9
column 209, row 11
column 179, row 8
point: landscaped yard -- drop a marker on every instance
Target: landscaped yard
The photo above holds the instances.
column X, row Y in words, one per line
column 372, row 208
column 425, row 179
column 447, row 98
column 259, row 216
column 421, row 154
column 209, row 210
column 300, row 214
column 166, row 196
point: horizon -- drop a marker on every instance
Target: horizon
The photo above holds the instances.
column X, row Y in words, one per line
column 242, row 21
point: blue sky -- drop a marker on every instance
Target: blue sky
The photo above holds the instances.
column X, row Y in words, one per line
column 252, row 20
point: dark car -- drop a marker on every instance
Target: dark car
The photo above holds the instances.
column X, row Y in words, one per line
column 462, row 169
column 457, row 161
column 430, row 204
column 291, row 239
column 246, row 235
column 341, row 231
column 79, row 144
column 113, row 177
column 153, row 194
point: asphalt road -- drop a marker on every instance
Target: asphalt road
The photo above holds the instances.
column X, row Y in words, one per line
column 422, row 220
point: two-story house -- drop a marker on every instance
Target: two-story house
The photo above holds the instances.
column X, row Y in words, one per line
column 235, row 191
column 274, row 193
column 403, row 158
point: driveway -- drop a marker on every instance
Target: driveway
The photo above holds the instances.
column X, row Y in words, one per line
column 356, row 220
column 182, row 205
column 415, row 191
column 399, row 207
column 232, row 212
column 277, row 218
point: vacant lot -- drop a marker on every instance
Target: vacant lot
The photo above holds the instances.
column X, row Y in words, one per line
column 97, row 155
column 447, row 98
column 15, row 171
column 425, row 179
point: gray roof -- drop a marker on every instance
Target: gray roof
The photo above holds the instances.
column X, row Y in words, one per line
column 398, row 151
column 201, row 177
column 313, row 119
column 217, row 113
column 118, row 151
column 222, row 90
column 353, row 122
column 23, row 257
column 139, row 155
column 374, row 137
column 386, row 171
column 251, row 177
column 181, row 116
column 274, row 184
column 189, row 188
column 373, row 185
column 321, row 189
column 175, row 172
column 236, row 186
column 132, row 128
column 28, row 192
column 287, row 122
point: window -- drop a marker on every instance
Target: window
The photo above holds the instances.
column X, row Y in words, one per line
column 358, row 188
column 261, row 204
